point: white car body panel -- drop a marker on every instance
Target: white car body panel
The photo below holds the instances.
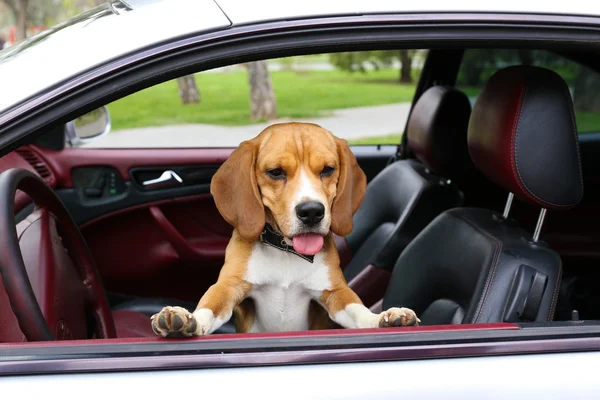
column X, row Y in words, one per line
column 495, row 377
column 76, row 48
column 244, row 12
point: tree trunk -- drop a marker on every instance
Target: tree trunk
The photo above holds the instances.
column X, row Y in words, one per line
column 19, row 10
column 21, row 31
column 585, row 92
column 472, row 72
column 188, row 91
column 406, row 67
column 525, row 57
column 262, row 96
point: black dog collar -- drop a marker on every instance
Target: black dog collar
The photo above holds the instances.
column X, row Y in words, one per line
column 275, row 239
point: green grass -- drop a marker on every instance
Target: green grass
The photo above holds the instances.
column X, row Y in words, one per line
column 470, row 90
column 587, row 121
column 312, row 58
column 390, row 139
column 225, row 97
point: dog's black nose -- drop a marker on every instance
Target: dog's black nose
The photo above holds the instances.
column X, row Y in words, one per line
column 310, row 212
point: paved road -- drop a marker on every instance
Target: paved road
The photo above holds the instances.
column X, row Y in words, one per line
column 350, row 123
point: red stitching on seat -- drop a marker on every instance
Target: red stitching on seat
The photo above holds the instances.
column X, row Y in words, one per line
column 515, row 157
column 513, row 136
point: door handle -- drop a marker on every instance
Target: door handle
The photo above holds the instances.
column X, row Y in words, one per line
column 166, row 176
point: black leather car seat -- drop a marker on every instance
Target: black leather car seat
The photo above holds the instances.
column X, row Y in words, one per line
column 475, row 265
column 403, row 198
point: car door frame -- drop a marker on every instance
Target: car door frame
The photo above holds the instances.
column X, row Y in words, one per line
column 270, row 40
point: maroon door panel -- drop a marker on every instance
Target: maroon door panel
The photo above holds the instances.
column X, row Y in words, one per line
column 168, row 249
column 173, row 247
column 123, row 160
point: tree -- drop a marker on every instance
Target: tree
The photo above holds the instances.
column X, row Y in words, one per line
column 406, row 59
column 27, row 12
column 586, row 89
column 70, row 8
column 358, row 61
column 188, row 91
column 19, row 9
column 262, row 95
column 478, row 64
column 525, row 57
column 474, row 63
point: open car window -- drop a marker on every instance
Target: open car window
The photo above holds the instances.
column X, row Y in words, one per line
column 363, row 96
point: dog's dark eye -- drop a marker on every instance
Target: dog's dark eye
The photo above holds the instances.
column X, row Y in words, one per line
column 276, row 173
column 327, row 171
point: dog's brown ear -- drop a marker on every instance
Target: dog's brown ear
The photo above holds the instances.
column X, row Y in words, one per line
column 236, row 194
column 350, row 190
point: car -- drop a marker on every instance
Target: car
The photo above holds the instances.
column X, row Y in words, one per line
column 494, row 245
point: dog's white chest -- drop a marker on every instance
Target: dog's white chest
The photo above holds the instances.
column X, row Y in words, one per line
column 279, row 309
column 284, row 284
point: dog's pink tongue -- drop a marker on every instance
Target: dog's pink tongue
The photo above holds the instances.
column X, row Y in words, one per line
column 308, row 243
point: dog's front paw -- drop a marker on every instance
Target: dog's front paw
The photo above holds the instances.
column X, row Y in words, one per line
column 174, row 322
column 398, row 317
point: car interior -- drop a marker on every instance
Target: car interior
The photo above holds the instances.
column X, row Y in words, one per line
column 484, row 213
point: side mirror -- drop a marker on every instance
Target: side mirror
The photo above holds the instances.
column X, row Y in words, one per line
column 88, row 127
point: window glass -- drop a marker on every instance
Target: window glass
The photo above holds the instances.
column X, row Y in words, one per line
column 363, row 97
column 584, row 83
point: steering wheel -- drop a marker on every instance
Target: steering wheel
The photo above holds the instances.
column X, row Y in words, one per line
column 52, row 283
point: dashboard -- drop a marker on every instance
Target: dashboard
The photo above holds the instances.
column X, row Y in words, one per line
column 27, row 158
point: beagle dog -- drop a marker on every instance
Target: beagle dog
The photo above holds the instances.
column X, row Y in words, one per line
column 284, row 192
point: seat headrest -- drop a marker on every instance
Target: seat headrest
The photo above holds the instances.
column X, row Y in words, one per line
column 522, row 136
column 437, row 131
